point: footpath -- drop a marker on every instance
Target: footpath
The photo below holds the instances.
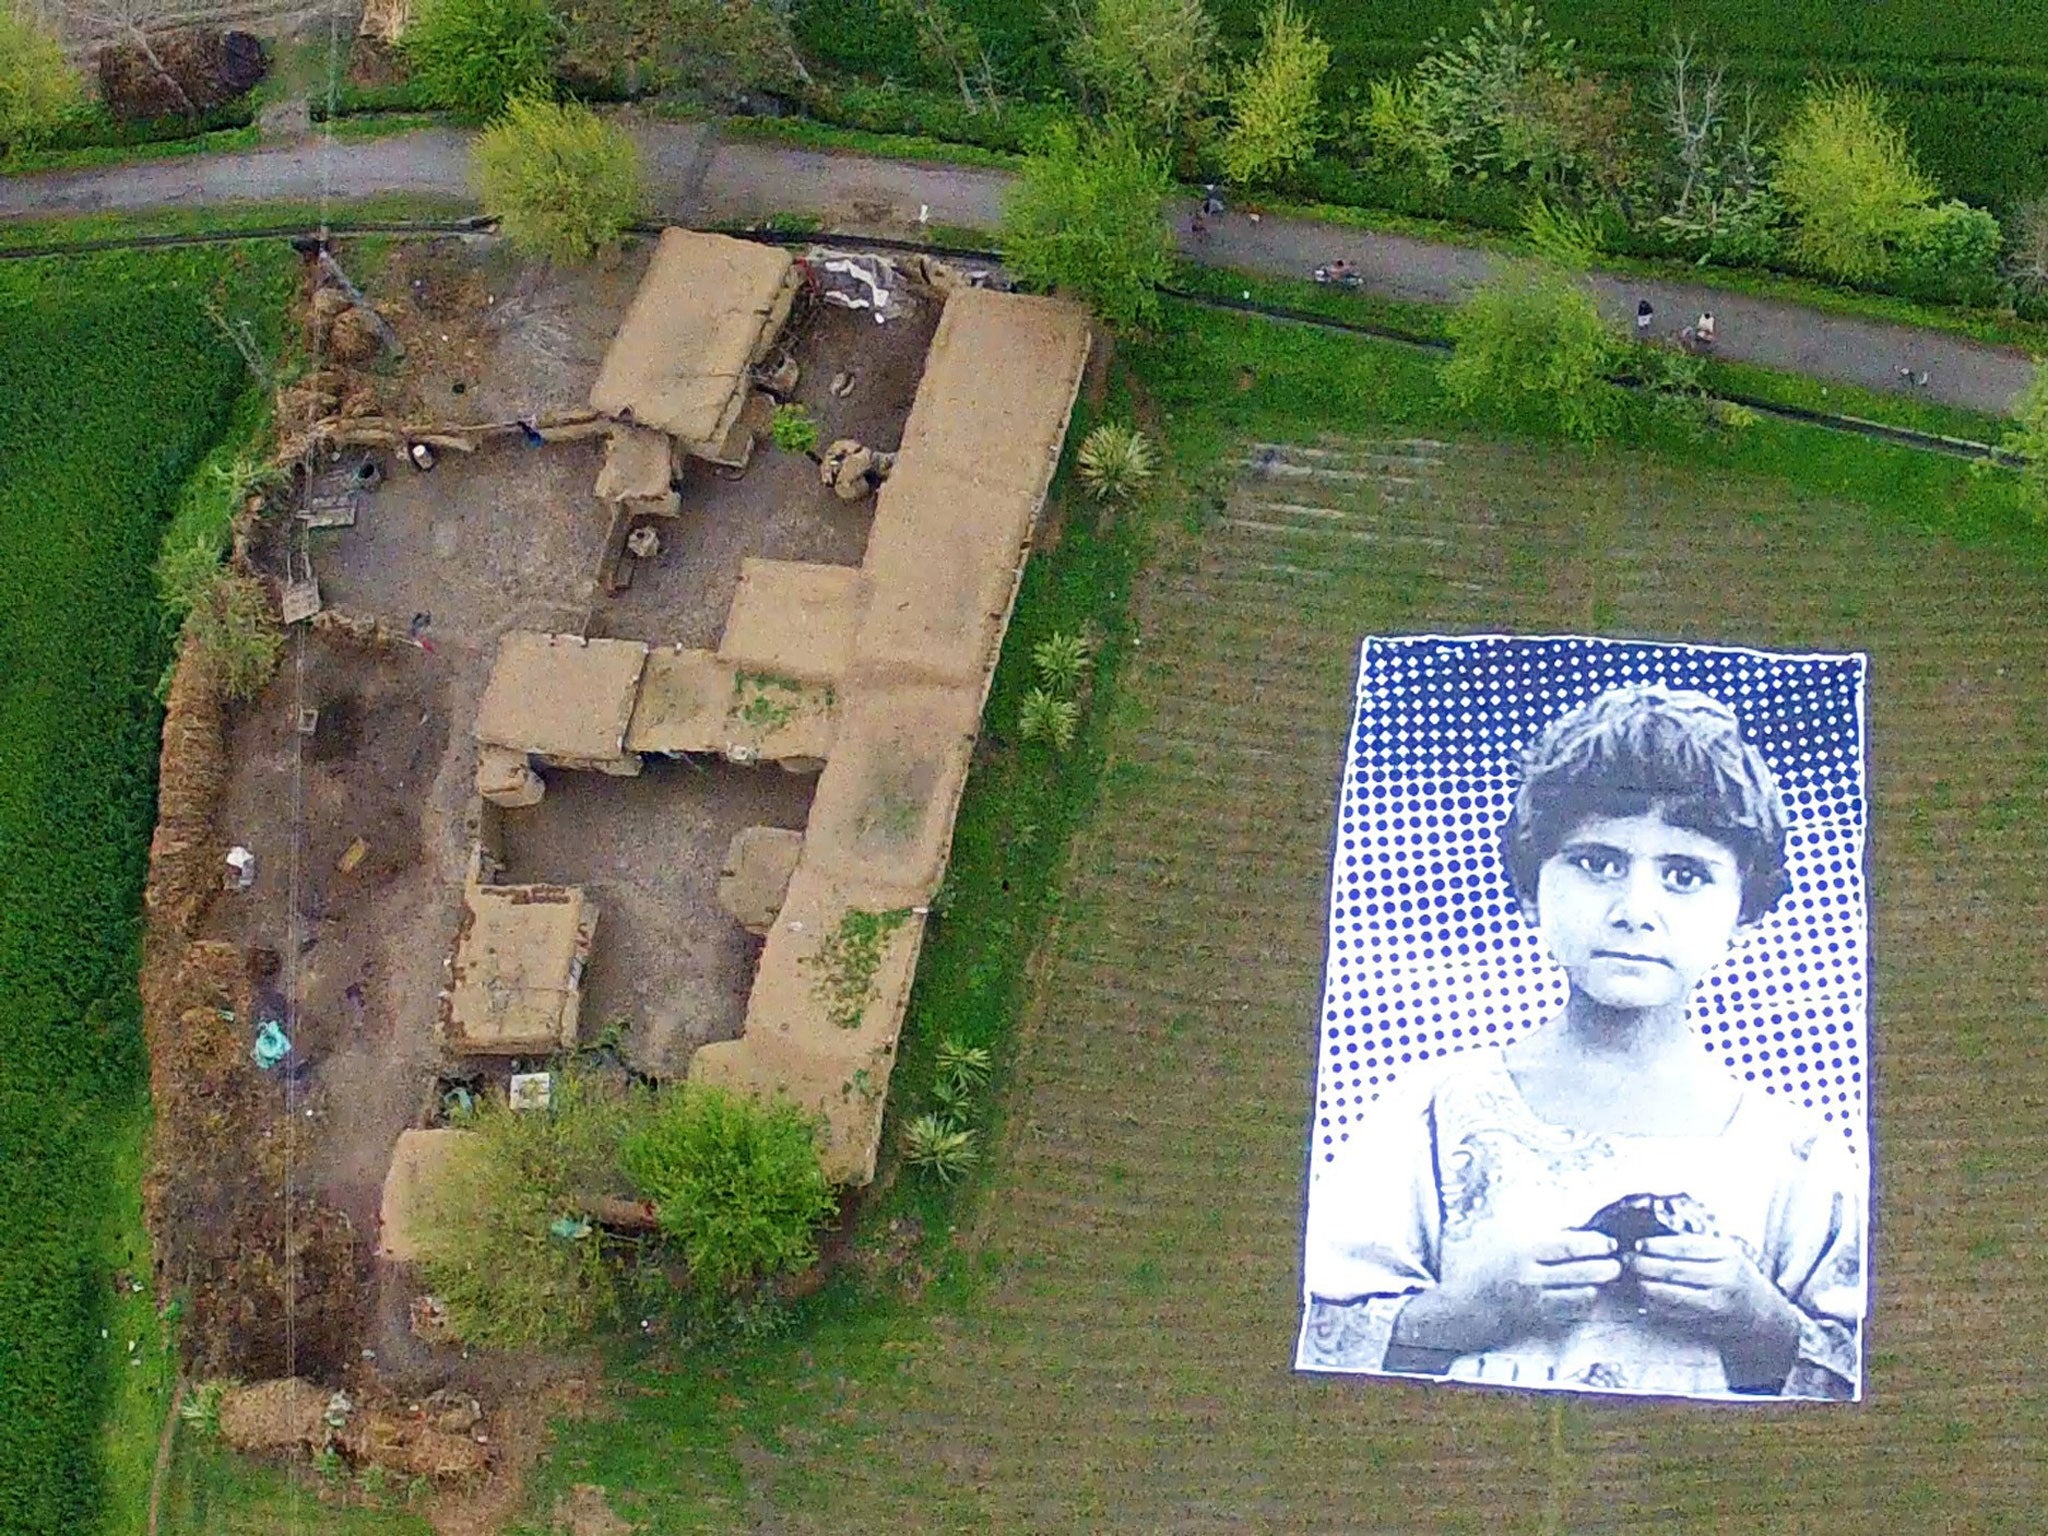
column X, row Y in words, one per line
column 694, row 176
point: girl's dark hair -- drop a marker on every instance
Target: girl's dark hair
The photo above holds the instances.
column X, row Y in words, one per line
column 1643, row 747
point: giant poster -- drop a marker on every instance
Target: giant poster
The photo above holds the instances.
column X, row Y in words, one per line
column 1590, row 1093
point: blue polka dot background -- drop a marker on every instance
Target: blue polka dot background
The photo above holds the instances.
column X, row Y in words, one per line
column 1429, row 955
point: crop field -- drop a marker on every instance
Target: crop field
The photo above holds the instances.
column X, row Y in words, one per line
column 1968, row 77
column 113, row 383
column 1109, row 1345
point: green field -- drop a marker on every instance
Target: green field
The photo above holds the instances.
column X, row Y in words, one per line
column 1969, row 77
column 1108, row 1344
column 112, row 385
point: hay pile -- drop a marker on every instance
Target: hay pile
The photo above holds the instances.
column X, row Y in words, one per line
column 275, row 1416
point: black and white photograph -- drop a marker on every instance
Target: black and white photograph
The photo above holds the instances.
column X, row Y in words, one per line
column 1591, row 1074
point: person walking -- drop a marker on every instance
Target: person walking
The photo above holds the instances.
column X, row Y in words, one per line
column 1212, row 205
column 1644, row 315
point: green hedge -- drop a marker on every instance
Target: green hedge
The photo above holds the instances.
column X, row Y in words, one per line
column 112, row 385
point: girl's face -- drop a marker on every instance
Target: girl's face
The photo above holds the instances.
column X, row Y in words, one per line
column 1637, row 910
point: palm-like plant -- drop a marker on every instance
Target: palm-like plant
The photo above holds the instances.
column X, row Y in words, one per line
column 967, row 1065
column 942, row 1149
column 1115, row 461
column 1049, row 718
column 1062, row 660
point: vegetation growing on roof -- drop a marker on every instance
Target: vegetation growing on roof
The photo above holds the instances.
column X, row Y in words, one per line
column 848, row 960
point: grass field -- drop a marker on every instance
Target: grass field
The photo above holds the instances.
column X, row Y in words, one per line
column 1107, row 1346
column 112, row 385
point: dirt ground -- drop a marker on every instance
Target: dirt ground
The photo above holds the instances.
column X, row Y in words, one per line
column 369, row 941
column 777, row 509
column 647, row 850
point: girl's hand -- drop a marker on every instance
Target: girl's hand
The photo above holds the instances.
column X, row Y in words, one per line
column 1709, row 1287
column 1494, row 1291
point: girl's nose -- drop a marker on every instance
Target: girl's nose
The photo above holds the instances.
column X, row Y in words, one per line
column 1635, row 903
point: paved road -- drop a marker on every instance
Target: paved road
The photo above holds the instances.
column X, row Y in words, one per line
column 693, row 176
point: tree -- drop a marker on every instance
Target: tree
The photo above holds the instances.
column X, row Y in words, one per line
column 475, row 56
column 1275, row 105
column 564, row 182
column 1718, row 199
column 508, row 1243
column 1531, row 344
column 1149, row 63
column 736, row 1184
column 1848, row 181
column 37, row 86
column 2026, row 247
column 1085, row 217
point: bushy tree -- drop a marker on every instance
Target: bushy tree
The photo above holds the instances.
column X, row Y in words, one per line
column 736, row 1184
column 475, row 56
column 1149, row 63
column 1848, row 181
column 1276, row 100
column 1531, row 344
column 564, row 182
column 1949, row 252
column 1085, row 217
column 1467, row 102
column 508, row 1244
column 37, row 85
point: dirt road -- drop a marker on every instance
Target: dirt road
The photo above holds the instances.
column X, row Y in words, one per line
column 692, row 176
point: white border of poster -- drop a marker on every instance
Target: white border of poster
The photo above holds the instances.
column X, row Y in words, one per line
column 1591, row 1098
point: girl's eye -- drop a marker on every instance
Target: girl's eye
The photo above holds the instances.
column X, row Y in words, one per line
column 1602, row 866
column 1685, row 877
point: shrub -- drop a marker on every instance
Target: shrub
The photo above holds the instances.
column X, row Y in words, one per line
column 1275, row 111
column 475, row 56
column 1950, row 253
column 37, row 86
column 564, row 182
column 736, row 1184
column 1047, row 717
column 944, row 1150
column 236, row 634
column 498, row 1248
column 1560, row 236
column 2029, row 438
column 1531, row 344
column 1150, row 63
column 1115, row 461
column 1085, row 217
column 793, row 430
column 1848, row 182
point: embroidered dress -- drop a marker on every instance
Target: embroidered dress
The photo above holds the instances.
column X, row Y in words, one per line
column 1464, row 1151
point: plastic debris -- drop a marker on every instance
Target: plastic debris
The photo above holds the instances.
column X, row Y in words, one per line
column 241, row 868
column 272, row 1045
column 569, row 1228
column 532, row 1090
